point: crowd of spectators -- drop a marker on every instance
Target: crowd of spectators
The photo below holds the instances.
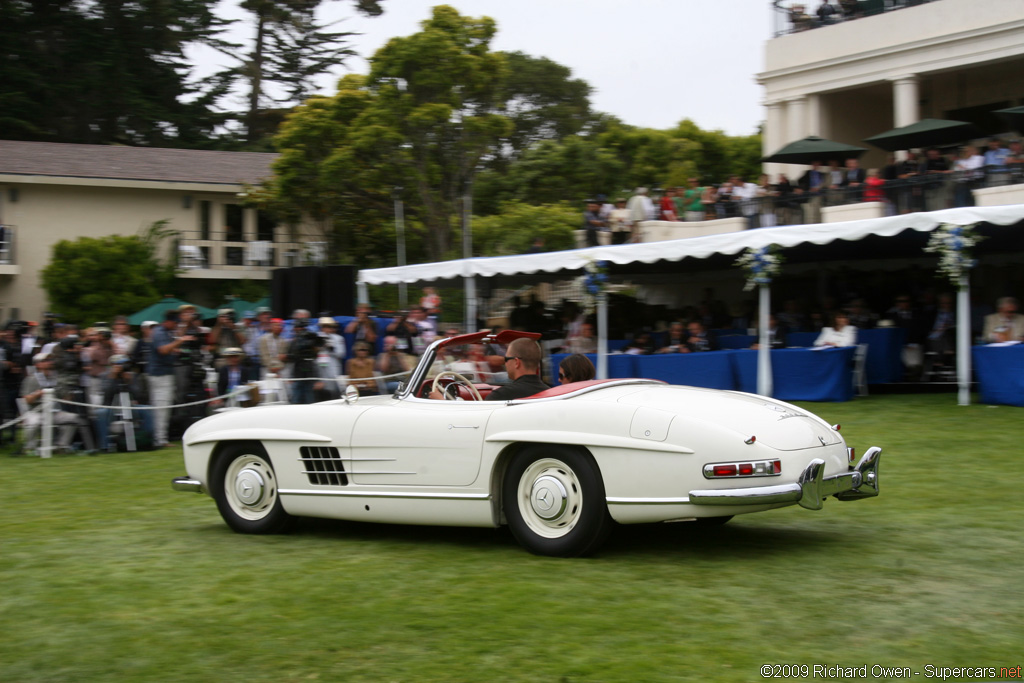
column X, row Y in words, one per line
column 929, row 181
column 802, row 17
column 183, row 369
column 179, row 369
column 928, row 320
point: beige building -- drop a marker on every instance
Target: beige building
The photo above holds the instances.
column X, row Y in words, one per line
column 944, row 59
column 50, row 192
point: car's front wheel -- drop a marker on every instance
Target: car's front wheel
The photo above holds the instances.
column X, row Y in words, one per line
column 244, row 485
column 554, row 501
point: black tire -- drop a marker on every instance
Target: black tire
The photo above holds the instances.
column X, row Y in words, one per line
column 554, row 501
column 244, row 485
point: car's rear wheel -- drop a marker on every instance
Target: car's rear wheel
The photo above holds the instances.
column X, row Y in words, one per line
column 244, row 485
column 554, row 501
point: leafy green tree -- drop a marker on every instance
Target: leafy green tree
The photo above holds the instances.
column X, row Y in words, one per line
column 543, row 102
column 109, row 71
column 93, row 279
column 514, row 228
column 289, row 49
column 439, row 94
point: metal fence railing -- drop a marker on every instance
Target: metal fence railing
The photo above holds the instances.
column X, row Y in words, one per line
column 794, row 16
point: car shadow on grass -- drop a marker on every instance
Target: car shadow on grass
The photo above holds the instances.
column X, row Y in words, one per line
column 680, row 541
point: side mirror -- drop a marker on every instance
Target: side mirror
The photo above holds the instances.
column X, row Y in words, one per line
column 399, row 389
column 351, row 394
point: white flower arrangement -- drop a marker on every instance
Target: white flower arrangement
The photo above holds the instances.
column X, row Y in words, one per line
column 762, row 265
column 953, row 245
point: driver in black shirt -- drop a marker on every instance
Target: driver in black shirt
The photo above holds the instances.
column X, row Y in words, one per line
column 522, row 362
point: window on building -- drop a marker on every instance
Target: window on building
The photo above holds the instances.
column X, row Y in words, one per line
column 265, row 225
column 204, row 220
column 233, row 230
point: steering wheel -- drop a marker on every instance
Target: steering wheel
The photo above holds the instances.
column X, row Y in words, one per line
column 457, row 379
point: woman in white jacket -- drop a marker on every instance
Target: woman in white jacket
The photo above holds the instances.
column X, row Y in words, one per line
column 842, row 333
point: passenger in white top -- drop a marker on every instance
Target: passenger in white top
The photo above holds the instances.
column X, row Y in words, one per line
column 842, row 333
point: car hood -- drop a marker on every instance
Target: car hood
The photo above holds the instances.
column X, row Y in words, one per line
column 773, row 423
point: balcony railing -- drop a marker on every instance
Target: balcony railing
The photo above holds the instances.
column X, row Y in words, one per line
column 195, row 253
column 793, row 16
column 923, row 192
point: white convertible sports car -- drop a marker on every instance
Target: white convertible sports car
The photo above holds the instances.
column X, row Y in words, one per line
column 558, row 467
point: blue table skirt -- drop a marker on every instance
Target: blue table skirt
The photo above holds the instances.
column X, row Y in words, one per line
column 1000, row 373
column 884, row 362
column 798, row 374
column 801, row 374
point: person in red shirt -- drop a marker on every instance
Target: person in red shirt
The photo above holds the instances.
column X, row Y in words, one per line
column 668, row 205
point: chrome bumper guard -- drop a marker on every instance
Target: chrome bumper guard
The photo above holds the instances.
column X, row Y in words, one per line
column 810, row 489
column 187, row 484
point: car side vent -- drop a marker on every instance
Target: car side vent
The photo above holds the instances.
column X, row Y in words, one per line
column 323, row 465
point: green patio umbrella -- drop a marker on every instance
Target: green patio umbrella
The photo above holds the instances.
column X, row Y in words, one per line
column 924, row 133
column 1014, row 116
column 813, row 148
column 157, row 310
column 239, row 306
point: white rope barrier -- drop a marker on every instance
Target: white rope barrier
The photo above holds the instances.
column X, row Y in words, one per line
column 47, row 405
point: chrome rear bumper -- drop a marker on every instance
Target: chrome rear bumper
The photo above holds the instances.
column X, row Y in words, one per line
column 187, row 484
column 810, row 489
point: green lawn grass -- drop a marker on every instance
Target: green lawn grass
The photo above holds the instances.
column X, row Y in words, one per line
column 108, row 575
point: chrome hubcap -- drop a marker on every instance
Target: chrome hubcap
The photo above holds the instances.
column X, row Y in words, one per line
column 251, row 487
column 550, row 498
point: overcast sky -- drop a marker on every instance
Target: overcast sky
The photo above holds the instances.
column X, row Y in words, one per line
column 650, row 62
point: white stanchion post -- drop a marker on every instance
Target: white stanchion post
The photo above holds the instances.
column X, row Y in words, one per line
column 46, row 426
column 963, row 340
column 602, row 335
column 764, row 346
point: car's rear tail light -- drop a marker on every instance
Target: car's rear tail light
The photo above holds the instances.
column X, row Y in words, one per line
column 722, row 470
column 755, row 468
column 853, row 455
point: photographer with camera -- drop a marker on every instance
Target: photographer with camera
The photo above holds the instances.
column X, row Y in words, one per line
column 99, row 349
column 224, row 335
column 161, row 372
column 120, row 390
column 11, row 375
column 302, row 353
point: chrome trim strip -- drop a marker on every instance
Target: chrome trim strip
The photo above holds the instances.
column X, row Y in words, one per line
column 187, row 484
column 351, row 473
column 343, row 459
column 646, row 501
column 386, row 494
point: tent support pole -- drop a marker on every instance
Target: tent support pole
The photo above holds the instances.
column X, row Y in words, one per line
column 602, row 336
column 963, row 341
column 764, row 346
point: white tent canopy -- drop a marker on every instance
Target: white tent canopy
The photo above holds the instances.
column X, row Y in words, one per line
column 575, row 261
column 694, row 247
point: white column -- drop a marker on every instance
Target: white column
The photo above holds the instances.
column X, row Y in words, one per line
column 774, row 134
column 796, row 113
column 814, row 123
column 797, row 125
column 905, row 98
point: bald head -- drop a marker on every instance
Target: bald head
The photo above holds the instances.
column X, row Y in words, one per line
column 528, row 352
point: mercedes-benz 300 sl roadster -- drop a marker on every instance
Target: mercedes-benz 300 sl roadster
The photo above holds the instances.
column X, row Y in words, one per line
column 559, row 467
